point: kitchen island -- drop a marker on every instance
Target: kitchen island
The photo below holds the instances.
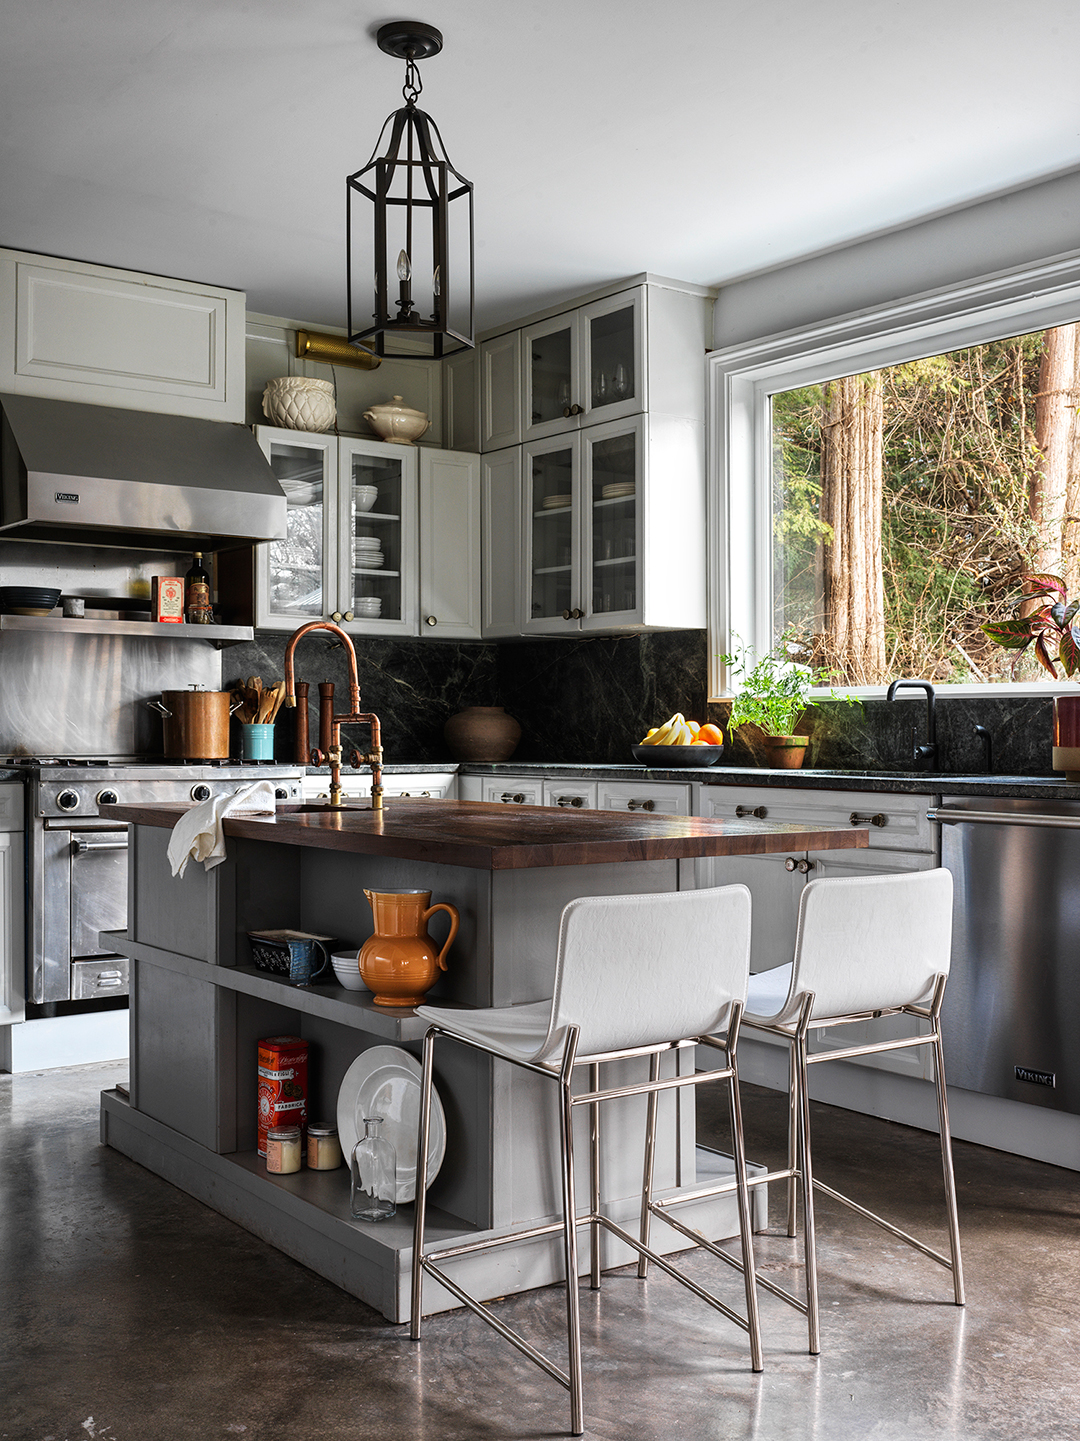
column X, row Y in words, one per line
column 198, row 1008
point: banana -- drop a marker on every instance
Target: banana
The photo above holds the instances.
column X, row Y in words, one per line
column 665, row 734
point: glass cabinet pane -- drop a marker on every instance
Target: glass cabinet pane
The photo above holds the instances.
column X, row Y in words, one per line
column 375, row 514
column 550, row 373
column 552, row 520
column 296, row 563
column 611, row 357
column 614, row 523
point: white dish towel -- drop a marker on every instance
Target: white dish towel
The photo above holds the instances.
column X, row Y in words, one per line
column 198, row 836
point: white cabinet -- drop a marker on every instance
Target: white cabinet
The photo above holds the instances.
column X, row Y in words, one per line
column 375, row 531
column 500, row 549
column 70, row 331
column 12, row 889
column 500, row 392
column 613, row 521
column 438, row 785
column 657, row 798
column 450, row 538
column 512, row 790
column 570, row 794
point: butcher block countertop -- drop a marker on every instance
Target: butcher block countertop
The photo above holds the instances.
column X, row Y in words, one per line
column 493, row 837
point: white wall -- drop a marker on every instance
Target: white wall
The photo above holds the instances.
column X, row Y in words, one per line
column 1039, row 222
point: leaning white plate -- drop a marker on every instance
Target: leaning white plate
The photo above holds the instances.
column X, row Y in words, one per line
column 385, row 1081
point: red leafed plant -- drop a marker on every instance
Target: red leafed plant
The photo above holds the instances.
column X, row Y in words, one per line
column 1049, row 623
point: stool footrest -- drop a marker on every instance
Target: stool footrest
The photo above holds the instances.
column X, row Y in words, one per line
column 674, row 1272
column 733, row 1261
column 885, row 1225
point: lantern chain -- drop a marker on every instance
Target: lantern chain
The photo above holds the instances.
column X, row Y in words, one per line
column 413, row 84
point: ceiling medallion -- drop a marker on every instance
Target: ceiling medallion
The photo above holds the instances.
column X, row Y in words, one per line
column 418, row 244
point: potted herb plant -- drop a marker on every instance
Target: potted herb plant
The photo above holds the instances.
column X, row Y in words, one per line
column 773, row 694
column 1049, row 622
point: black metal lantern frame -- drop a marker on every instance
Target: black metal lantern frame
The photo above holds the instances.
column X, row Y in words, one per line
column 422, row 304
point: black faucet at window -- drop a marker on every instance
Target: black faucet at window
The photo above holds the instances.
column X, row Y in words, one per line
column 925, row 754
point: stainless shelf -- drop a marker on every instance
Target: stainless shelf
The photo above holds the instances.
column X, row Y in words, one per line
column 217, row 635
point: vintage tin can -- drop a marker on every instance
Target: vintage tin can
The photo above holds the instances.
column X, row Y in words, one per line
column 282, row 1084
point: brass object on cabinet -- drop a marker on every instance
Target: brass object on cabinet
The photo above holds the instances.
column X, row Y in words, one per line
column 333, row 350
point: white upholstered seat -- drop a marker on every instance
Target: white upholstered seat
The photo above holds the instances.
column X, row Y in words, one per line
column 634, row 974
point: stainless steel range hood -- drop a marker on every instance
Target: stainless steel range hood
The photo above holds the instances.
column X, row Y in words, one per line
column 97, row 475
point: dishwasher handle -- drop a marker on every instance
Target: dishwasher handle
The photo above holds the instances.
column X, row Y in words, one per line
column 950, row 816
column 114, row 843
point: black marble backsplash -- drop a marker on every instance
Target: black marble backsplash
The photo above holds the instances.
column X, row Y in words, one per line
column 587, row 700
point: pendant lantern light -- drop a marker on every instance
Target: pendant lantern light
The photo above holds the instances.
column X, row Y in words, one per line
column 419, row 248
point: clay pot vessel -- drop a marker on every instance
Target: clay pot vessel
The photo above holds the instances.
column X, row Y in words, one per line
column 400, row 962
column 786, row 753
column 482, row 733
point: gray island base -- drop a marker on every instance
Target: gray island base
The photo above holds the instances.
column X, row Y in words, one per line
column 199, row 1008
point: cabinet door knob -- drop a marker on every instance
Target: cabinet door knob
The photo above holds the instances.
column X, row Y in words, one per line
column 570, row 801
column 348, row 615
column 791, row 864
column 577, row 410
column 576, row 613
column 336, row 616
column 648, row 805
column 508, row 799
column 857, row 820
column 758, row 811
column 566, row 615
column 431, row 620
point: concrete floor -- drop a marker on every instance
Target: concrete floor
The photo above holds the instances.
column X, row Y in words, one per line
column 130, row 1312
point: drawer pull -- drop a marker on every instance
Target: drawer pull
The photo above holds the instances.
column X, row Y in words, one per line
column 857, row 820
column 758, row 811
column 791, row 864
column 647, row 805
column 570, row 800
column 508, row 799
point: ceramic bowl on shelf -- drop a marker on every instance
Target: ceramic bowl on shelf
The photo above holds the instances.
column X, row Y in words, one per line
column 368, row 607
column 677, row 757
column 29, row 599
column 346, row 966
column 365, row 496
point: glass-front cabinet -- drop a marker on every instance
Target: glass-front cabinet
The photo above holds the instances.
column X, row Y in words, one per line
column 351, row 550
column 584, row 367
column 582, row 537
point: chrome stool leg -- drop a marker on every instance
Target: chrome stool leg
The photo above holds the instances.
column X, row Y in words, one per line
column 792, row 1139
column 594, row 1181
column 806, row 1171
column 573, row 1315
column 415, row 1316
column 742, row 1192
column 650, row 1163
column 945, row 1133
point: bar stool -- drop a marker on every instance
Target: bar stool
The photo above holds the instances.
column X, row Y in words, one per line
column 866, row 947
column 635, row 976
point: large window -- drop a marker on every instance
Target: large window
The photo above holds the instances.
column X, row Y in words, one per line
column 882, row 485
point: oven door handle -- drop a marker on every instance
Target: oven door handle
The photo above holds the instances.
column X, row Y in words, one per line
column 82, row 845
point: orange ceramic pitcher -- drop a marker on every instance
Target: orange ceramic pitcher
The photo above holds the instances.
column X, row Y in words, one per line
column 399, row 962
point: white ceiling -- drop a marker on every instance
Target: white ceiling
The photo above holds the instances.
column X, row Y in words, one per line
column 209, row 139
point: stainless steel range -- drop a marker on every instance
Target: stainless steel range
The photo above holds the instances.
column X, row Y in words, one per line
column 77, row 861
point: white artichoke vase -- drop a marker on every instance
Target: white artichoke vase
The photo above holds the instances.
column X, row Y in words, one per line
column 296, row 403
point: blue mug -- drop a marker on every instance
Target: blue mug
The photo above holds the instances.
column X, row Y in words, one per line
column 256, row 742
column 289, row 955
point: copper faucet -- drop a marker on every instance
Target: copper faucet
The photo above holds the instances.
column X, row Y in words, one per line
column 355, row 716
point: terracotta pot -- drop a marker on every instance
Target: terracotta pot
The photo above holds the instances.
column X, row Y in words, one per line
column 399, row 963
column 482, row 733
column 1067, row 737
column 196, row 723
column 786, row 753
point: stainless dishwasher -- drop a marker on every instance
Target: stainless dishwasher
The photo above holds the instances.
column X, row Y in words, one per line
column 1011, row 1019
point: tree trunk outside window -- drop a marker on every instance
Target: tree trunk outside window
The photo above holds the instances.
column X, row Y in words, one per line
column 1054, row 487
column 852, row 583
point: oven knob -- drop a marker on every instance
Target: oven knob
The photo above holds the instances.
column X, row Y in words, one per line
column 68, row 800
column 107, row 798
column 200, row 793
column 281, row 794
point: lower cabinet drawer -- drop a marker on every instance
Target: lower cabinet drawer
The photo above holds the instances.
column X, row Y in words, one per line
column 95, row 980
column 646, row 798
column 570, row 795
column 895, row 822
column 514, row 790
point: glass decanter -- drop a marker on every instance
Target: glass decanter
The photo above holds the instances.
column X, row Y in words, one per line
column 374, row 1175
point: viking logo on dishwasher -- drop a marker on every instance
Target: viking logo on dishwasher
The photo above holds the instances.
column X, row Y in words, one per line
column 67, row 497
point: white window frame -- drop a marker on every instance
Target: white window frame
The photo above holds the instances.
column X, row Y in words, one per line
column 742, row 377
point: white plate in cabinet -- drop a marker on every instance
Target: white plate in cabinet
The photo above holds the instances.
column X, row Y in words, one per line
column 570, row 795
column 70, row 331
column 644, row 798
column 513, row 791
column 894, row 822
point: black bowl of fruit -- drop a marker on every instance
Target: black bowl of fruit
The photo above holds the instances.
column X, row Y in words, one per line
column 680, row 744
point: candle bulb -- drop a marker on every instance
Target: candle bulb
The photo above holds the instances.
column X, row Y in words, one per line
column 404, row 270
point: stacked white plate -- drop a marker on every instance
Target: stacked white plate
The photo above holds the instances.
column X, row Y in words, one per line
column 617, row 490
column 556, row 502
column 367, row 552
